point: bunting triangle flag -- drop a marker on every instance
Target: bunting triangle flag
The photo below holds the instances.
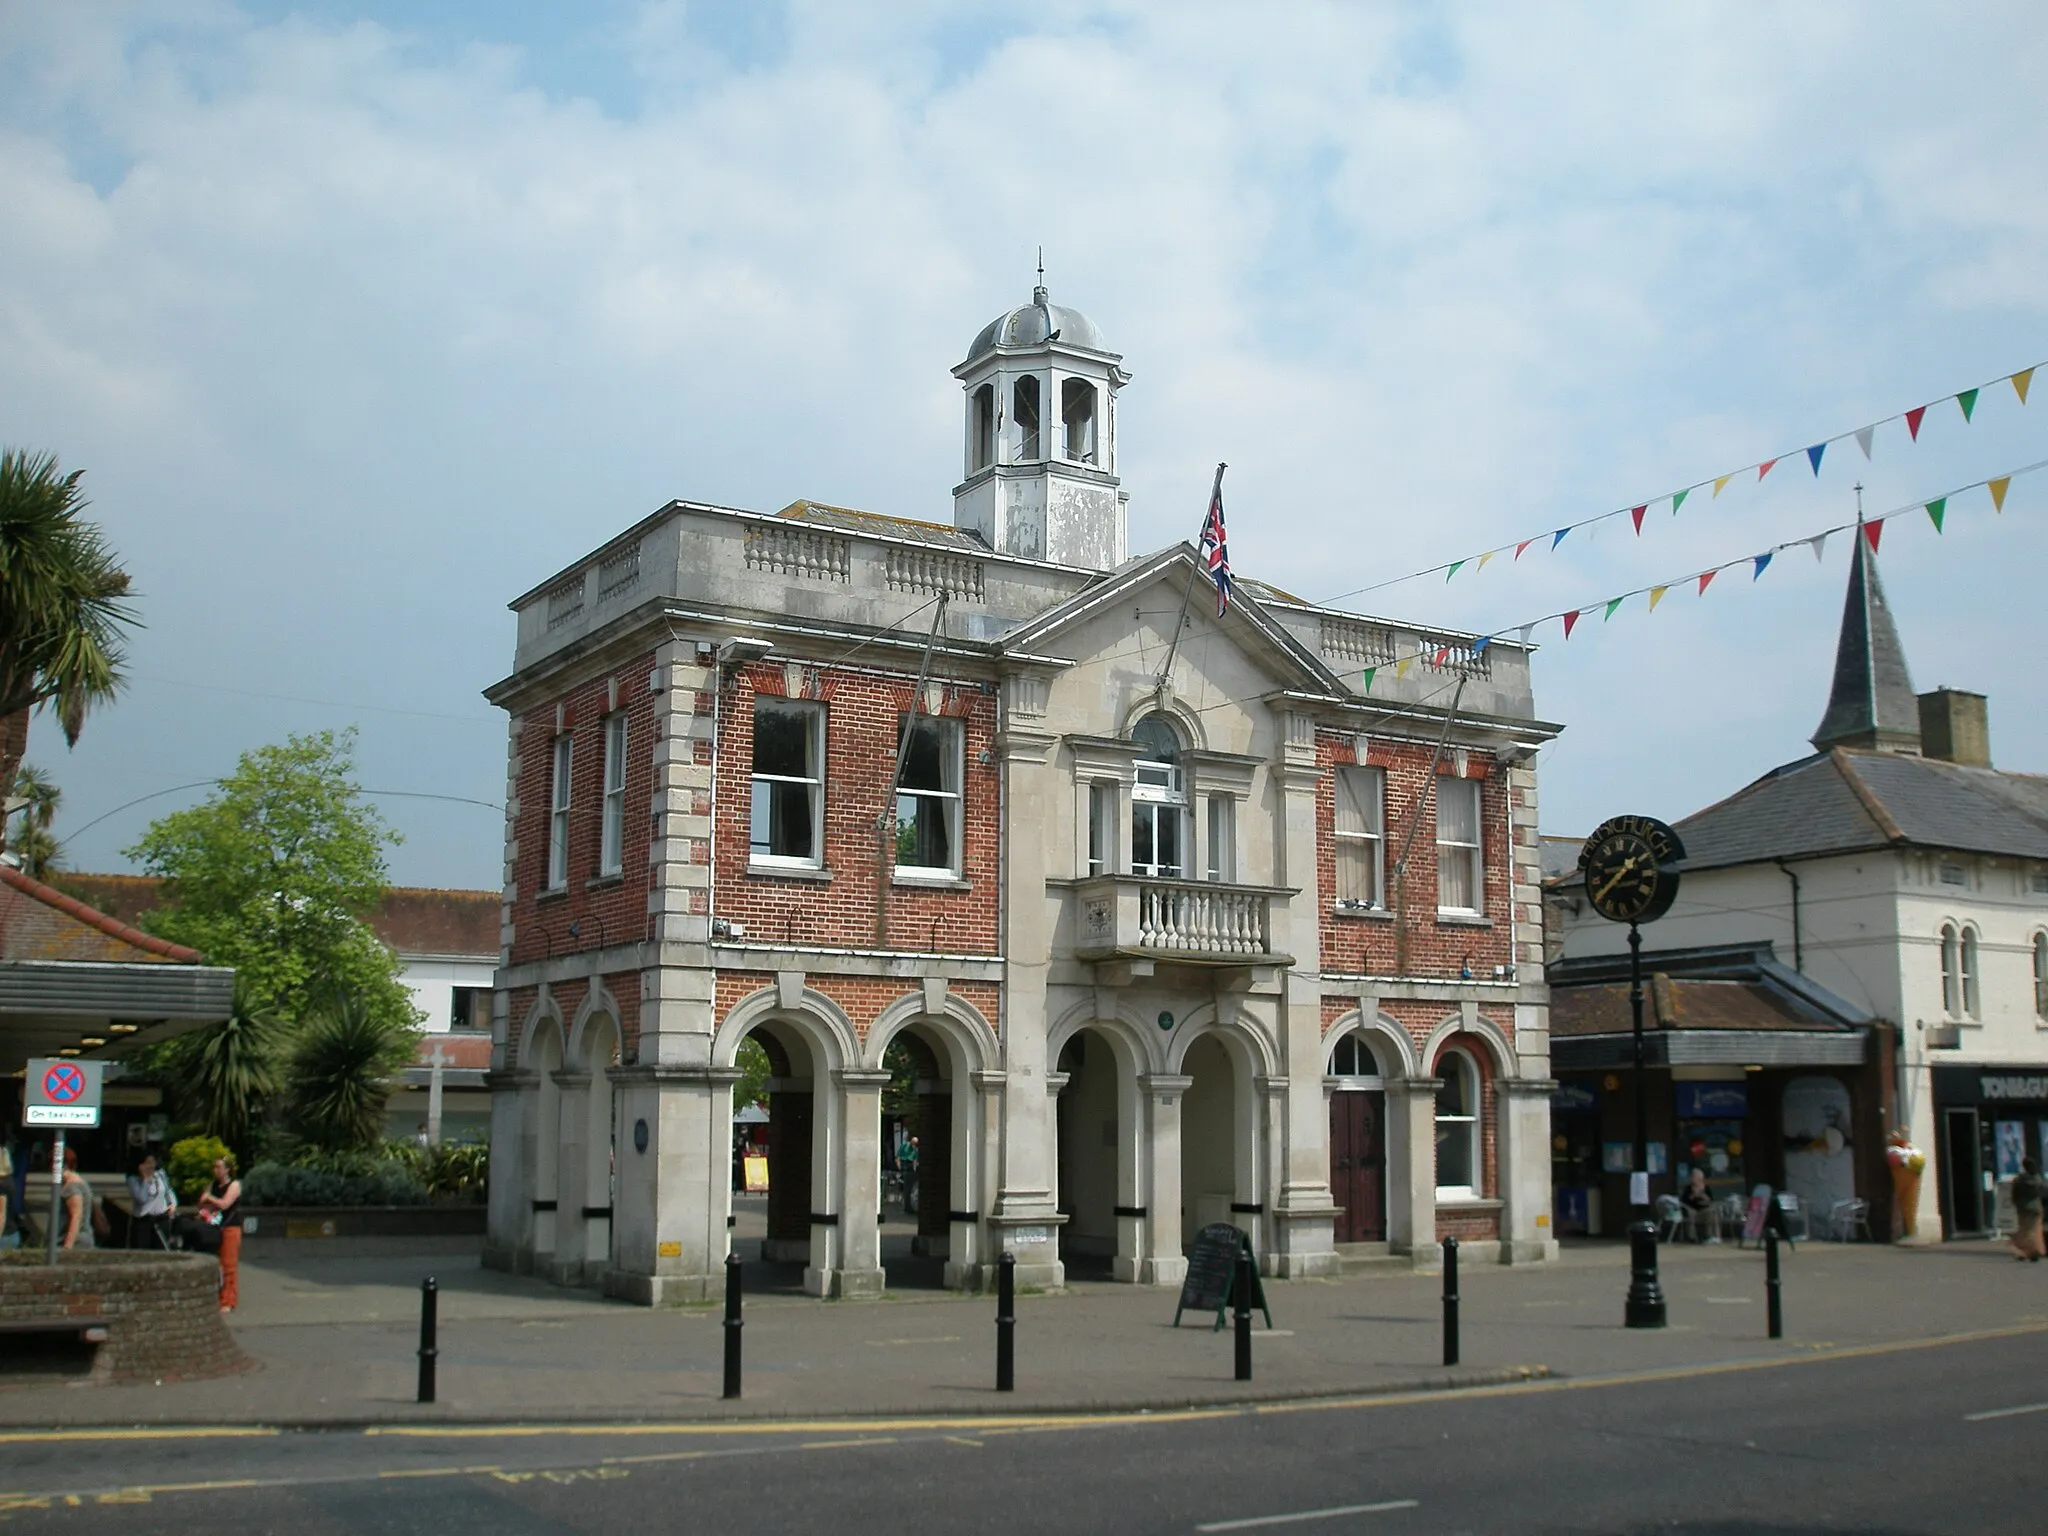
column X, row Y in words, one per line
column 1863, row 439
column 1720, row 482
column 1522, row 634
column 1998, row 490
column 1455, row 565
column 1569, row 620
column 1365, row 681
column 1557, row 538
column 1913, row 420
column 1872, row 532
column 1819, row 545
column 1612, row 604
column 1443, row 655
column 1937, row 509
column 1484, row 558
column 1705, row 577
column 1401, row 667
column 2021, row 382
column 1678, row 500
column 1968, row 401
column 1813, row 456
column 1636, row 513
column 1657, row 596
column 1481, row 644
column 1762, row 564
column 1764, row 468
column 1522, row 546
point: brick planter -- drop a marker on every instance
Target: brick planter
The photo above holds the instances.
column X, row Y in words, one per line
column 161, row 1310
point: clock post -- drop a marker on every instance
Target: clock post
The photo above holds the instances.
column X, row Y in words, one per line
column 1629, row 868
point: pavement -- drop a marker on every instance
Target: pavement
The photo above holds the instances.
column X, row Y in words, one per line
column 334, row 1332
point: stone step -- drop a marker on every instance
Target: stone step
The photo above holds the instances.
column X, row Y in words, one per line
column 1367, row 1258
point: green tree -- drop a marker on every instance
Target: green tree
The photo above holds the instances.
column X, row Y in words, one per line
column 224, row 1075
column 341, row 1070
column 31, row 838
column 755, row 1071
column 273, row 875
column 62, row 602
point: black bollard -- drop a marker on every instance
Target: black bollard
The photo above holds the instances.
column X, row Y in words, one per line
column 430, row 1307
column 1773, row 1306
column 1645, row 1307
column 1006, row 1323
column 1450, row 1301
column 1242, row 1287
column 733, row 1324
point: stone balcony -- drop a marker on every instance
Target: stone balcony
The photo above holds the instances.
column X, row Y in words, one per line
column 1177, row 922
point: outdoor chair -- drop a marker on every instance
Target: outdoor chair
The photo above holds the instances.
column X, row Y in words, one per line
column 1792, row 1212
column 1848, row 1217
column 1730, row 1212
column 1672, row 1218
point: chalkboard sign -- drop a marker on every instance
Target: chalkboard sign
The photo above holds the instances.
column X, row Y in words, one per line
column 1212, row 1268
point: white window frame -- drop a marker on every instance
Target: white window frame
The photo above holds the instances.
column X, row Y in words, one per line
column 1220, row 857
column 2041, row 975
column 1467, row 1124
column 1159, row 795
column 611, row 855
column 1951, row 945
column 558, row 811
column 1102, row 827
column 947, row 802
column 1366, row 789
column 1972, row 964
column 1358, row 1046
column 813, row 778
column 1474, row 852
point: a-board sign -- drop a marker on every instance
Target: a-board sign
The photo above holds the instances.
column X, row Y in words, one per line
column 1754, row 1218
column 1212, row 1270
column 63, row 1092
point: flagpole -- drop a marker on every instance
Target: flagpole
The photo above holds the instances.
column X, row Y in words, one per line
column 1188, row 597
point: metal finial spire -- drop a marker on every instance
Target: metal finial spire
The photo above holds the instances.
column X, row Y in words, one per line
column 1038, row 293
column 1859, row 501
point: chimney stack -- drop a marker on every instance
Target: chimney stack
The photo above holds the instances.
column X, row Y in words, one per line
column 1955, row 727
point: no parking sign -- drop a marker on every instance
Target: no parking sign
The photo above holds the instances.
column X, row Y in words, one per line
column 62, row 1092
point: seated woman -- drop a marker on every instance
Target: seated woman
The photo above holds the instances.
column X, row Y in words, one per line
column 1699, row 1205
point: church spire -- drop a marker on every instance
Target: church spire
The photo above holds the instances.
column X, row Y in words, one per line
column 1872, row 705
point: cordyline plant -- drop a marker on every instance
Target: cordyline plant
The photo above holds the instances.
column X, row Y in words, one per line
column 342, row 1068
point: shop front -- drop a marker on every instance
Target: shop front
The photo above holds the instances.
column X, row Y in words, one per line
column 1988, row 1118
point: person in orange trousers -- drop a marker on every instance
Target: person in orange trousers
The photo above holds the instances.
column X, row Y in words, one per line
column 223, row 1204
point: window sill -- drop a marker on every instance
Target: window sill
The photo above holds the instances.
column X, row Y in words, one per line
column 1457, row 1199
column 599, row 882
column 1463, row 919
column 818, row 876
column 1370, row 914
column 904, row 880
column 550, row 893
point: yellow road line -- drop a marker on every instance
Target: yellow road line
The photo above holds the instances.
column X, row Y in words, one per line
column 165, row 1432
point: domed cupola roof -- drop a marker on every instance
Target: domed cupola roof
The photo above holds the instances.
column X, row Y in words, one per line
column 1034, row 324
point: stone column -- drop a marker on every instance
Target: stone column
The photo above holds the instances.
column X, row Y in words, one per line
column 514, row 1160
column 669, row 1234
column 572, row 1180
column 970, row 1260
column 1522, row 1144
column 1160, row 1260
column 860, row 1180
column 1411, row 1169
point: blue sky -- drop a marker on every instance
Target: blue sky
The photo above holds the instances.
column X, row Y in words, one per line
column 361, row 319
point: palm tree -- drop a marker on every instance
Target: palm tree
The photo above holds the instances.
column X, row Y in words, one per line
column 62, row 604
column 342, row 1067
column 223, row 1075
column 33, row 842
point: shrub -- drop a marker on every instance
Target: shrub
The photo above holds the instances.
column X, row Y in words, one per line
column 332, row 1179
column 191, row 1164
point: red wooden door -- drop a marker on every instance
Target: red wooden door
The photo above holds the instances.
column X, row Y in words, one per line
column 1358, row 1166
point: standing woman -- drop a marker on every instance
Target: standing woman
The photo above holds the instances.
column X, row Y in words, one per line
column 222, row 1205
column 2027, row 1189
column 10, row 1216
column 152, row 1204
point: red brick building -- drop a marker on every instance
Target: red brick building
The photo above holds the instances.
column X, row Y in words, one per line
column 1180, row 920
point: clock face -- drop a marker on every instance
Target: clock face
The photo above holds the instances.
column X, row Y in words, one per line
column 1627, row 867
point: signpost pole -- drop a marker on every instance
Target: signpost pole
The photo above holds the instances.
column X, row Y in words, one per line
column 1645, row 1308
column 1243, row 1298
column 1006, row 1322
column 56, row 1191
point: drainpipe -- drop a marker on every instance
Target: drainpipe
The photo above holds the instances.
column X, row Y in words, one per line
column 1798, row 948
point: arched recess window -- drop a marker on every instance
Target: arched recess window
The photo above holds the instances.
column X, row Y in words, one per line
column 1457, row 1125
column 1158, row 801
column 983, row 428
column 1971, row 1003
column 1077, row 418
column 2041, row 975
column 1951, row 971
column 1024, row 415
column 1354, row 1057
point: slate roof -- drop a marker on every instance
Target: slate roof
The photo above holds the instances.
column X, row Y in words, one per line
column 1847, row 801
column 1871, row 703
column 413, row 920
column 877, row 524
column 39, row 922
column 1711, row 987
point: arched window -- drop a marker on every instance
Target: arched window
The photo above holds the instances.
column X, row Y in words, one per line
column 1024, row 415
column 982, row 453
column 1457, row 1125
column 1951, row 971
column 1158, row 801
column 1077, row 417
column 2041, row 975
column 1354, row 1057
column 1970, row 999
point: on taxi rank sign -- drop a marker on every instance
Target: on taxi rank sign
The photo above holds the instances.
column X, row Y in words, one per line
column 62, row 1092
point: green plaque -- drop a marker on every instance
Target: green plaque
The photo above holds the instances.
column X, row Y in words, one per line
column 1165, row 1020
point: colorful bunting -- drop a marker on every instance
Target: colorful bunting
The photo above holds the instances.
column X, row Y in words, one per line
column 1523, row 633
column 1705, row 578
column 1872, row 532
column 1612, row 604
column 1481, row 644
column 1557, row 538
column 1763, row 562
column 1486, row 557
column 1813, row 457
column 1968, row 401
column 1913, row 420
column 1678, row 500
column 1937, row 509
column 1764, row 468
column 1721, row 483
column 1522, row 546
column 2021, row 381
column 1998, row 490
column 1819, row 545
column 1443, row 655
column 1637, row 514
column 1569, row 620
column 1863, row 439
column 1401, row 667
column 1365, row 682
column 1455, row 566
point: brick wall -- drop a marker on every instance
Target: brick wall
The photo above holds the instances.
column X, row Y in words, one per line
column 861, row 998
column 836, row 907
column 1364, row 942
column 161, row 1311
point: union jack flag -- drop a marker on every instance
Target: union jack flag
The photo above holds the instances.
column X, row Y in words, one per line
column 1214, row 549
